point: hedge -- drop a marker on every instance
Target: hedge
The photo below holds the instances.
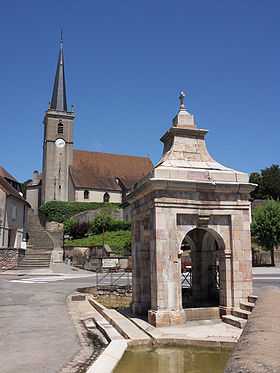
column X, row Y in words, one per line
column 60, row 211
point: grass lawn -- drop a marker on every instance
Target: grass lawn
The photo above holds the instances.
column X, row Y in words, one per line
column 118, row 241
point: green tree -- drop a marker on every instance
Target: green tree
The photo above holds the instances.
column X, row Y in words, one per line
column 266, row 226
column 271, row 181
column 256, row 178
column 268, row 181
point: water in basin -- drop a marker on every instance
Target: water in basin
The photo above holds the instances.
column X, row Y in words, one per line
column 174, row 360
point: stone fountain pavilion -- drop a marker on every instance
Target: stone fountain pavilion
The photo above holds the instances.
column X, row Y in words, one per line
column 191, row 223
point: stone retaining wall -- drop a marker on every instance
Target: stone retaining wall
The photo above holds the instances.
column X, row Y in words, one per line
column 9, row 258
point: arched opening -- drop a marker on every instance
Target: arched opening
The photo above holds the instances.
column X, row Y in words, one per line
column 106, row 197
column 60, row 128
column 86, row 194
column 202, row 266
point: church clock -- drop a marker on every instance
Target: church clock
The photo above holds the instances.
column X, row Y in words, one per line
column 60, row 143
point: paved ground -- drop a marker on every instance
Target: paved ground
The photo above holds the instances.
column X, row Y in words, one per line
column 206, row 330
column 37, row 334
column 259, row 346
column 265, row 277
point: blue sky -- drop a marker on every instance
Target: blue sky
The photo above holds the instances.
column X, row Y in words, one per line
column 126, row 62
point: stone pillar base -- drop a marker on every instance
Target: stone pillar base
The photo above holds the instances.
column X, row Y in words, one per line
column 225, row 310
column 57, row 256
column 166, row 317
column 139, row 308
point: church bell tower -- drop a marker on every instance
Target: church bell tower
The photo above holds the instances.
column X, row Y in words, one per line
column 58, row 140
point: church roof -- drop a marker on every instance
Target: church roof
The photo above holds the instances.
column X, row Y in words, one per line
column 58, row 101
column 96, row 170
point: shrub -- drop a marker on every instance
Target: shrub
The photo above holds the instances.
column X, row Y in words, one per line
column 68, row 226
column 79, row 230
column 119, row 241
column 101, row 224
column 60, row 211
column 104, row 222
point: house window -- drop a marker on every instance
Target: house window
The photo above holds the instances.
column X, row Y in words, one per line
column 14, row 213
column 86, row 194
column 60, row 128
column 106, row 197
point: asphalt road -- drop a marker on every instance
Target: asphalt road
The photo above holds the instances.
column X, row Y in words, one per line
column 37, row 334
column 264, row 277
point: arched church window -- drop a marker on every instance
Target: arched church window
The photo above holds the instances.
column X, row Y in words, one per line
column 60, row 127
column 86, row 194
column 106, row 197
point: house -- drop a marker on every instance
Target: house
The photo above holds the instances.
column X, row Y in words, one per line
column 13, row 219
column 13, row 212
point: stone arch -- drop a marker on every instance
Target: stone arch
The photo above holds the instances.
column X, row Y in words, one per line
column 207, row 269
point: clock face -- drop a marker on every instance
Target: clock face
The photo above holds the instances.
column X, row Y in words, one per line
column 60, row 143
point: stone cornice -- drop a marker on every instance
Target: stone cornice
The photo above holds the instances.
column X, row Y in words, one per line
column 149, row 185
column 184, row 132
column 59, row 114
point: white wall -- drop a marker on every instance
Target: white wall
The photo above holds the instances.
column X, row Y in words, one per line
column 13, row 218
column 32, row 197
column 97, row 196
column 2, row 215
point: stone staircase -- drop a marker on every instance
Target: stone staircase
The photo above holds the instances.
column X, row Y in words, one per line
column 40, row 245
column 240, row 315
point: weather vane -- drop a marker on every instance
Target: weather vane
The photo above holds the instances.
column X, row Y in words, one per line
column 61, row 35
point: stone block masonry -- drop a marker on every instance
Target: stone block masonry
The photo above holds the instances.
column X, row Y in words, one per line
column 190, row 203
column 9, row 258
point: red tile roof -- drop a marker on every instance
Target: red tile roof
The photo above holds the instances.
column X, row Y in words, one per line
column 96, row 170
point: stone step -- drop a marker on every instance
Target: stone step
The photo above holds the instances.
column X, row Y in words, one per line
column 38, row 249
column 234, row 321
column 30, row 266
column 247, row 306
column 239, row 312
column 34, row 265
column 37, row 255
column 252, row 298
column 46, row 248
column 40, row 245
column 36, row 260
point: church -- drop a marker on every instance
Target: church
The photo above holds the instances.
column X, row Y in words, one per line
column 78, row 175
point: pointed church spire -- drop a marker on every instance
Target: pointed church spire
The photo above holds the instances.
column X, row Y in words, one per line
column 58, row 101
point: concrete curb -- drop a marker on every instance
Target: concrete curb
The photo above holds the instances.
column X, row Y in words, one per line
column 86, row 349
column 109, row 358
